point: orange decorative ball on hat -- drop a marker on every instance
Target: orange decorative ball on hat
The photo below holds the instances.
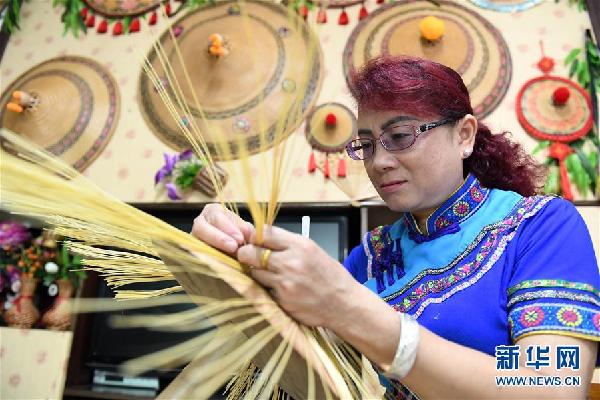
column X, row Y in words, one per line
column 432, row 28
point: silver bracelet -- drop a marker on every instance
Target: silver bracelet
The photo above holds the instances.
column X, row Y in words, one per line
column 408, row 345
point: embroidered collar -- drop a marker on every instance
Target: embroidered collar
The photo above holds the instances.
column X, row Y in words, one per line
column 446, row 218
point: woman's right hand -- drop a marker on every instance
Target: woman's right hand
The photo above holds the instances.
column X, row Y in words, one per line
column 221, row 228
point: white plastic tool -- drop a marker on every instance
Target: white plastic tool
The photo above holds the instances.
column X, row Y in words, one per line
column 306, row 226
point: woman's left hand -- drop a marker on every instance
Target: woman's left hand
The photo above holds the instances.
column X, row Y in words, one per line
column 306, row 282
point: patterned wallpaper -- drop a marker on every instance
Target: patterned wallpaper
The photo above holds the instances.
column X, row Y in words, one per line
column 127, row 165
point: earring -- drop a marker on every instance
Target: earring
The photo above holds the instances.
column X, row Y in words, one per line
column 466, row 153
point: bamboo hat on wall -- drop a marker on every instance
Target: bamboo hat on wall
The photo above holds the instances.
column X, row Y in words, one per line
column 122, row 8
column 456, row 36
column 246, row 63
column 554, row 108
column 507, row 5
column 68, row 105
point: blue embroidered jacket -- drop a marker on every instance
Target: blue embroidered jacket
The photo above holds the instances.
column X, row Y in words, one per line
column 492, row 267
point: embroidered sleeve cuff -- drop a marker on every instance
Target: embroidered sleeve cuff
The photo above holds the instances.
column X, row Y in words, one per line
column 567, row 318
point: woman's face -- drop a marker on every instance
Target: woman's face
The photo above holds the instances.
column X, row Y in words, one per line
column 421, row 177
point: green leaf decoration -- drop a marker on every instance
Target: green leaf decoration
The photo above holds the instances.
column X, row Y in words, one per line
column 552, row 181
column 64, row 253
column 587, row 167
column 542, row 145
column 193, row 4
column 593, row 160
column 579, row 175
column 592, row 49
column 573, row 68
column 186, row 173
column 12, row 16
column 76, row 262
column 572, row 55
column 71, row 17
column 583, row 74
column 126, row 24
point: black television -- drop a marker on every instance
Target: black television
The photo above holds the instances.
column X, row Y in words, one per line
column 110, row 347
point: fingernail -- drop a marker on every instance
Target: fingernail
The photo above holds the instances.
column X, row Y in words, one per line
column 239, row 237
column 231, row 244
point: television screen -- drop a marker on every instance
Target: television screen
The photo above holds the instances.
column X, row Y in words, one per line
column 112, row 346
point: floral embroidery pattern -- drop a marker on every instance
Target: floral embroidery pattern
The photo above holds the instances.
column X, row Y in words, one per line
column 476, row 194
column 377, row 241
column 555, row 317
column 442, row 222
column 384, row 260
column 468, row 251
column 536, row 283
column 553, row 294
column 461, row 208
column 531, row 316
column 467, row 274
column 596, row 321
column 374, row 238
column 569, row 316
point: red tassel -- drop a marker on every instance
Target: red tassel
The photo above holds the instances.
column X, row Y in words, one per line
column 135, row 25
column 341, row 170
column 561, row 151
column 303, row 11
column 363, row 13
column 153, row 18
column 168, row 9
column 83, row 13
column 343, row 19
column 322, row 16
column 102, row 27
column 380, row 1
column 91, row 21
column 312, row 164
column 118, row 28
column 326, row 169
column 565, row 184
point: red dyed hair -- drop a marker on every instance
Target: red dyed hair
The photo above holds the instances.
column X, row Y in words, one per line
column 426, row 89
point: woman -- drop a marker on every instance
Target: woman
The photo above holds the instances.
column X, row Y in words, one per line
column 476, row 258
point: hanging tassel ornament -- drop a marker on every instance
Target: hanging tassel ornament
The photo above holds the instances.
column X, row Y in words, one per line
column 153, row 19
column 90, row 21
column 341, row 167
column 102, row 27
column 546, row 64
column 322, row 16
column 312, row 163
column 380, row 1
column 118, row 28
column 363, row 13
column 83, row 13
column 168, row 9
column 343, row 19
column 326, row 167
column 303, row 11
column 134, row 26
column 561, row 151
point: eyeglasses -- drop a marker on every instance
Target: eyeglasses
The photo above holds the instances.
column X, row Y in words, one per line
column 393, row 138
